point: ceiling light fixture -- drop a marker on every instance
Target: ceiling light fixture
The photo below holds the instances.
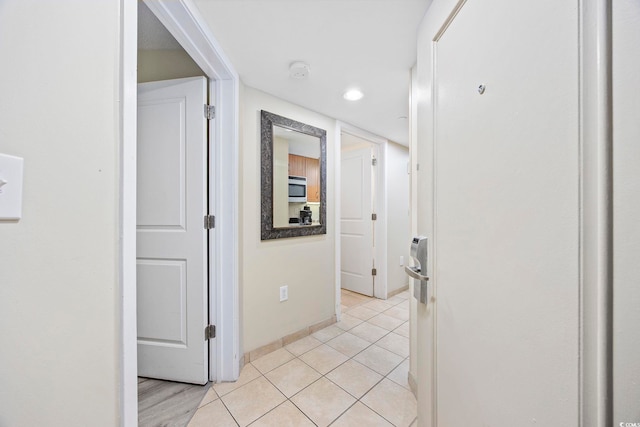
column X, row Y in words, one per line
column 299, row 70
column 353, row 95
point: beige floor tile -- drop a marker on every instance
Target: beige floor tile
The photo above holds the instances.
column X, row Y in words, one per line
column 323, row 358
column 251, row 401
column 351, row 300
column 360, row 415
column 347, row 322
column 386, row 322
column 415, row 423
column 354, row 377
column 398, row 313
column 323, row 401
column 212, row 414
column 380, row 360
column 404, row 304
column 378, row 305
column 208, row 398
column 403, row 330
column 348, row 344
column 396, row 299
column 369, row 332
column 404, row 294
column 400, row 375
column 303, row 345
column 362, row 313
column 285, row 415
column 393, row 402
column 272, row 360
column 395, row 343
column 327, row 333
column 292, row 377
column 248, row 373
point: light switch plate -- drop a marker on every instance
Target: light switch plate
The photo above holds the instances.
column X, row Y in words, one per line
column 11, row 189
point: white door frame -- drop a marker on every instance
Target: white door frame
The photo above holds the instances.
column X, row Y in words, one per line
column 380, row 289
column 184, row 22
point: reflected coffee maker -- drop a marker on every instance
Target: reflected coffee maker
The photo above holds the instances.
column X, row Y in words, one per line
column 305, row 216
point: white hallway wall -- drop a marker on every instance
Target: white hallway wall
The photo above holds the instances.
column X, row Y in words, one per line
column 59, row 294
column 398, row 231
column 305, row 264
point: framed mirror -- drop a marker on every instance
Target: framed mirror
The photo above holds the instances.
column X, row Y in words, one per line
column 294, row 178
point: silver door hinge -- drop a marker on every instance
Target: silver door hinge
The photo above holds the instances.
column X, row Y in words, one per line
column 209, row 222
column 209, row 332
column 374, row 217
column 374, row 272
column 209, row 111
column 374, row 161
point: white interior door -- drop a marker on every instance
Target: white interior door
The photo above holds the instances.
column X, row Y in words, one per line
column 506, row 216
column 171, row 239
column 356, row 226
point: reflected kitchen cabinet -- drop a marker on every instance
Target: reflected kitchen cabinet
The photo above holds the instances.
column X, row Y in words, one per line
column 309, row 168
column 297, row 165
column 313, row 179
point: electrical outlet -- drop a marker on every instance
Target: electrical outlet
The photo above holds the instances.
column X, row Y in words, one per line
column 401, row 260
column 284, row 293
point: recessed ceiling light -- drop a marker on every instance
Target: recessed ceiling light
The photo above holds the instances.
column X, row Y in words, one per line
column 353, row 95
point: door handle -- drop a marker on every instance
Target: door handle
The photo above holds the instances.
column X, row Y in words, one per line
column 414, row 272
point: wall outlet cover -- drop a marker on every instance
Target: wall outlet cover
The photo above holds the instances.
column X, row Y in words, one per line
column 284, row 293
column 11, row 175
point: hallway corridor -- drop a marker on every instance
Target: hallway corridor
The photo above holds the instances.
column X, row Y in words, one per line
column 352, row 373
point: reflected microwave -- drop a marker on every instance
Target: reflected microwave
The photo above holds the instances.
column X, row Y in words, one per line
column 297, row 189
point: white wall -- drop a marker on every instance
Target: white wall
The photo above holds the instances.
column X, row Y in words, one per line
column 398, row 232
column 280, row 182
column 305, row 264
column 59, row 293
column 154, row 65
column 626, row 135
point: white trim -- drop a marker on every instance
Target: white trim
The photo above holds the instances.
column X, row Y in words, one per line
column 127, row 188
column 187, row 26
column 380, row 289
column 596, row 232
column 185, row 23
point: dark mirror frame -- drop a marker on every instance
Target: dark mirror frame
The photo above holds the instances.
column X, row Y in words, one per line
column 267, row 121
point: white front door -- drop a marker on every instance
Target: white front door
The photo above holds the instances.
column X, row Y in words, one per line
column 171, row 239
column 356, row 226
column 506, row 216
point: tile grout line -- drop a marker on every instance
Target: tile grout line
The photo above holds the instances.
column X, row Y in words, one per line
column 349, row 358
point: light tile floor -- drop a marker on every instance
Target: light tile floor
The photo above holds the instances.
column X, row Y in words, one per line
column 350, row 374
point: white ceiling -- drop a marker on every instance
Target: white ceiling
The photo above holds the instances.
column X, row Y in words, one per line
column 369, row 44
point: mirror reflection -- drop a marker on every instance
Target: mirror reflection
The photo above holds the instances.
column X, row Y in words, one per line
column 293, row 178
column 296, row 178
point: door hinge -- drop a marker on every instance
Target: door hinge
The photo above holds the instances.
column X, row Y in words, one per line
column 209, row 222
column 209, row 332
column 209, row 111
column 374, row 217
column 374, row 272
column 374, row 161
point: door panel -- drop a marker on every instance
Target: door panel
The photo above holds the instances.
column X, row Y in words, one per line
column 171, row 240
column 356, row 227
column 506, row 216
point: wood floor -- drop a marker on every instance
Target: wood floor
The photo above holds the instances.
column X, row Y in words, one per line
column 167, row 403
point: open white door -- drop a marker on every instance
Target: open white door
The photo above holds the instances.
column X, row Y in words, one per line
column 506, row 216
column 171, row 239
column 356, row 225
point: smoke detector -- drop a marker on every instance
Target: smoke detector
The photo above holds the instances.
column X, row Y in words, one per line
column 299, row 70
